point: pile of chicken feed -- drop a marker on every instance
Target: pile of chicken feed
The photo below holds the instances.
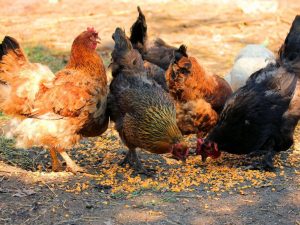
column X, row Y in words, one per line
column 227, row 174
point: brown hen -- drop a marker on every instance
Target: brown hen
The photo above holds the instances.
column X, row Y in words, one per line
column 199, row 96
column 144, row 114
column 54, row 111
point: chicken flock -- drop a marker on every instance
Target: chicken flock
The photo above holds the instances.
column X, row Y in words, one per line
column 158, row 93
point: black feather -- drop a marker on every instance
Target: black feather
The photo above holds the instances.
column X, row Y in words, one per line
column 180, row 52
column 263, row 114
column 139, row 29
column 289, row 53
column 254, row 113
column 2, row 52
column 8, row 43
column 156, row 52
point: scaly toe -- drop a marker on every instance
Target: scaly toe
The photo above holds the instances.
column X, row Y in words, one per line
column 76, row 169
column 56, row 168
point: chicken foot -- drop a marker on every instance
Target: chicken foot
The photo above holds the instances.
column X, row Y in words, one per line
column 71, row 165
column 256, row 154
column 134, row 161
column 265, row 164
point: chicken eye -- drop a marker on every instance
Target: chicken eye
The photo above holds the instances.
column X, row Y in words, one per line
column 184, row 71
column 173, row 75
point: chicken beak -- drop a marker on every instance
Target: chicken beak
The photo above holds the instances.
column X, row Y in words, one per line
column 98, row 40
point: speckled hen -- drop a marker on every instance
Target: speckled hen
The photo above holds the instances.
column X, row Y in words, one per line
column 143, row 112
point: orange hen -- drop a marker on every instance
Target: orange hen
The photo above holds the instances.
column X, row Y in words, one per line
column 54, row 111
column 199, row 96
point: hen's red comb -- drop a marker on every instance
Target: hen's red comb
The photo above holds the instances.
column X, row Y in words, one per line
column 200, row 141
column 91, row 29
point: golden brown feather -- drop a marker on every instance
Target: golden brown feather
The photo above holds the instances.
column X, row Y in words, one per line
column 144, row 113
column 199, row 95
column 54, row 111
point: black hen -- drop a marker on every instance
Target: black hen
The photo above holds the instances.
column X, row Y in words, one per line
column 138, row 30
column 262, row 115
column 143, row 112
column 156, row 52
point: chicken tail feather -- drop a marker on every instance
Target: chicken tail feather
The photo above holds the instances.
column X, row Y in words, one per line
column 10, row 45
column 139, row 29
column 12, row 57
column 289, row 53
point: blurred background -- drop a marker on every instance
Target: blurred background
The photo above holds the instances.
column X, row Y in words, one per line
column 214, row 31
column 217, row 193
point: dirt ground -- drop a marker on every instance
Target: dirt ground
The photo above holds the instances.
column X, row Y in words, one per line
column 217, row 192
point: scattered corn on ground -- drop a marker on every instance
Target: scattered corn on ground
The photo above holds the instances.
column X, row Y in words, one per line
column 101, row 157
column 225, row 174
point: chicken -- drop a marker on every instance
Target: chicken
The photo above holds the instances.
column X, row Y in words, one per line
column 199, row 96
column 156, row 52
column 144, row 114
column 138, row 39
column 249, row 60
column 157, row 74
column 54, row 111
column 262, row 115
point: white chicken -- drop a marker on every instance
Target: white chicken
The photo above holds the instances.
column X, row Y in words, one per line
column 249, row 60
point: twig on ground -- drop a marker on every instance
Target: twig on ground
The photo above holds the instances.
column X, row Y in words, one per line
column 10, row 172
column 11, row 162
column 64, row 202
column 172, row 221
column 50, row 189
column 91, row 218
column 37, row 217
column 186, row 196
column 25, row 221
column 68, row 221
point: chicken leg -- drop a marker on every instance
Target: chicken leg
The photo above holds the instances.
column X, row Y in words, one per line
column 71, row 165
column 134, row 161
column 56, row 165
column 266, row 163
